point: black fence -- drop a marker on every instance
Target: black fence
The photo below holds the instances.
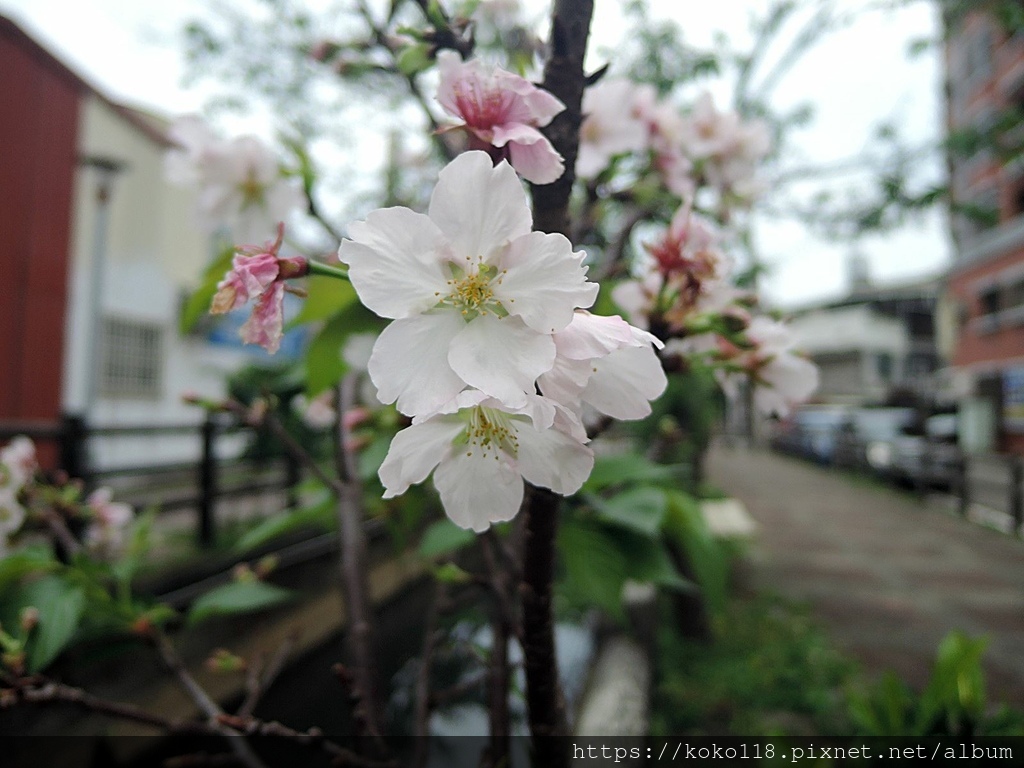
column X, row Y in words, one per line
column 195, row 484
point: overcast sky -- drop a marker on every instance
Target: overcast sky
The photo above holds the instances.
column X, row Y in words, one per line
column 858, row 77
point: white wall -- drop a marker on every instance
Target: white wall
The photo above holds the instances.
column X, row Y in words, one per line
column 152, row 252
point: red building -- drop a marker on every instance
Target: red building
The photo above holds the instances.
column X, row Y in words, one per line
column 985, row 69
column 38, row 135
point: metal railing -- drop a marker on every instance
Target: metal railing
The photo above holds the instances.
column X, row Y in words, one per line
column 168, row 486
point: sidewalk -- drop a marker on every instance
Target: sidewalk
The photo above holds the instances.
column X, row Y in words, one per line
column 888, row 575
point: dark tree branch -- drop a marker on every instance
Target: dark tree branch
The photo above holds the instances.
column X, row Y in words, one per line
column 354, row 570
column 564, row 78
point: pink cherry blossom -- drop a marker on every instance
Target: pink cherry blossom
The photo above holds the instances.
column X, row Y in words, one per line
column 258, row 274
column 783, row 378
column 502, row 111
column 109, row 522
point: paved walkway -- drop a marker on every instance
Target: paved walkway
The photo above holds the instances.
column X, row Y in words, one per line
column 888, row 575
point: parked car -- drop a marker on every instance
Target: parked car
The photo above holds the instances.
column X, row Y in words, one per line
column 866, row 439
column 811, row 432
column 928, row 460
column 894, row 444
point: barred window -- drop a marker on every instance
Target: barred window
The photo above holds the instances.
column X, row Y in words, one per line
column 132, row 356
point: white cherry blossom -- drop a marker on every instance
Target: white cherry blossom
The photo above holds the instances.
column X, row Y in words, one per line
column 239, row 181
column 605, row 363
column 480, row 452
column 474, row 294
column 614, row 122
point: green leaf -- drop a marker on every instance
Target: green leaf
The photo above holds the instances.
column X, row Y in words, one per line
column 639, row 509
column 624, row 468
column 320, row 514
column 326, row 297
column 709, row 560
column 450, row 573
column 444, row 537
column 198, row 303
column 595, row 567
column 236, row 597
column 324, row 364
column 414, row 59
column 650, row 561
column 372, row 456
column 34, row 559
column 60, row 611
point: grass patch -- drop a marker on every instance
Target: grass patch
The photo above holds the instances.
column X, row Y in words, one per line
column 770, row 671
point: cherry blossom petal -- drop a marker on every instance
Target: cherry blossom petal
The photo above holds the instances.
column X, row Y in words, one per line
column 501, row 357
column 552, row 459
column 409, row 362
column 478, row 490
column 395, row 260
column 479, row 206
column 536, row 161
column 625, row 381
column 589, row 336
column 265, row 324
column 546, row 280
column 784, row 381
column 415, row 451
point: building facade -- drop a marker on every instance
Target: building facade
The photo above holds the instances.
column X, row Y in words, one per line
column 985, row 88
column 97, row 251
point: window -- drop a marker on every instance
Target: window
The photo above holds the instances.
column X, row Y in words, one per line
column 131, row 362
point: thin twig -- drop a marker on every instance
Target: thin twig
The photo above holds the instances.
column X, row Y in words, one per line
column 62, row 533
column 262, row 676
column 169, row 654
column 44, row 692
column 312, row 737
column 300, row 454
column 380, row 35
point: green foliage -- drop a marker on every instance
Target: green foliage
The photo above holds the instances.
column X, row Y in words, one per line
column 953, row 703
column 61, row 605
column 245, row 596
column 198, row 303
column 443, row 538
column 770, row 671
column 321, row 514
column 450, row 573
column 324, row 363
column 32, row 559
column 707, row 558
column 626, row 467
column 640, row 509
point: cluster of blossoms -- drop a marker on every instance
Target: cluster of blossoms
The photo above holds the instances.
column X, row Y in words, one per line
column 240, row 182
column 687, row 279
column 17, row 468
column 702, row 147
column 485, row 313
column 107, row 520
column 491, row 350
